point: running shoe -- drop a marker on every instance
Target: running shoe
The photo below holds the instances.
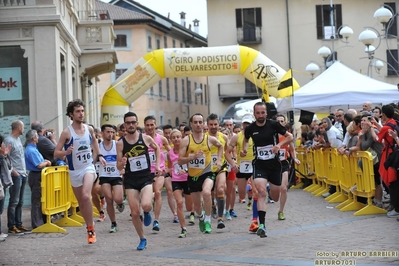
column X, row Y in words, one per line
column 91, row 236
column 227, row 215
column 147, row 218
column 15, row 231
column 241, row 200
column 3, row 235
column 183, row 233
column 249, row 206
column 261, row 231
column 120, row 207
column 24, row 230
column 2, row 239
column 201, row 225
column 175, row 220
column 208, row 228
column 155, row 226
column 233, row 213
column 214, row 212
column 281, row 216
column 143, row 244
column 269, row 200
column 102, row 217
column 390, row 214
column 191, row 219
column 113, row 229
column 220, row 224
column 254, row 227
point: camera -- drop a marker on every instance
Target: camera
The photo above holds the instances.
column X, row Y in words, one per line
column 48, row 134
column 369, row 117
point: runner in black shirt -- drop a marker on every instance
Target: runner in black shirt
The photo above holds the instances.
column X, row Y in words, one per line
column 267, row 166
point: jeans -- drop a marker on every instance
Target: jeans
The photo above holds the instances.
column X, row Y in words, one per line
column 14, row 211
column 2, row 206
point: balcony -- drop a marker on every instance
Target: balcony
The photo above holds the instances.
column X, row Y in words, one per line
column 249, row 35
column 96, row 37
column 237, row 91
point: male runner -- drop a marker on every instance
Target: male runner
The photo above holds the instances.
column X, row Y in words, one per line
column 110, row 178
column 267, row 166
column 195, row 151
column 133, row 161
column 149, row 127
column 78, row 141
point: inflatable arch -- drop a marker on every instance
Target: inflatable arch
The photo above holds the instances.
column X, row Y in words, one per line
column 188, row 62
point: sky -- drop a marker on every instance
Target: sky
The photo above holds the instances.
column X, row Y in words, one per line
column 194, row 9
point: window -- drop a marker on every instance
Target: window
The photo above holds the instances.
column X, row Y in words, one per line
column 167, row 89
column 195, row 95
column 392, row 30
column 251, row 88
column 158, row 43
column 202, row 95
column 189, row 98
column 392, row 59
column 323, row 21
column 205, row 94
column 119, row 72
column 183, row 91
column 160, row 89
column 120, row 40
column 149, row 42
column 176, row 91
column 249, row 23
column 174, row 43
column 165, row 42
column 181, row 45
column 152, row 91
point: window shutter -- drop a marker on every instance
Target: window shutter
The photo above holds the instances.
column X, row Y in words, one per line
column 392, row 31
column 258, row 17
column 338, row 16
column 319, row 21
column 239, row 18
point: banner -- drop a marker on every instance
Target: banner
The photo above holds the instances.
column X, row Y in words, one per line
column 192, row 62
column 10, row 84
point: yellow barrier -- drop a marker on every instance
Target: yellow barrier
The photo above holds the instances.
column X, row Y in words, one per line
column 55, row 198
column 310, row 170
column 352, row 179
column 301, row 168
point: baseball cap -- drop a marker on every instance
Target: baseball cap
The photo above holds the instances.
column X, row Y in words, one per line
column 248, row 118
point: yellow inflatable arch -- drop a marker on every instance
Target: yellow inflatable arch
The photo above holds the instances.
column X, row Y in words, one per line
column 188, row 62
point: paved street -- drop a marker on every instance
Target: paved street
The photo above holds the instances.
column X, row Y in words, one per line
column 312, row 230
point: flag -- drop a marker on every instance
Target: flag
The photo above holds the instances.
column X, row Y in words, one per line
column 287, row 85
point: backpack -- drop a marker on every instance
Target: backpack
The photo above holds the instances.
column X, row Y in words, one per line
column 394, row 127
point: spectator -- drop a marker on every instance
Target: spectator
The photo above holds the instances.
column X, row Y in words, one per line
column 19, row 178
column 368, row 107
column 5, row 178
column 187, row 131
column 339, row 121
column 35, row 163
column 46, row 143
column 389, row 176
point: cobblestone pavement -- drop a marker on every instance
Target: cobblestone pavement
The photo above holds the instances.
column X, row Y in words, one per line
column 313, row 232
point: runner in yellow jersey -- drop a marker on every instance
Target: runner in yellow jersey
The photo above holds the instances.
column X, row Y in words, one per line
column 245, row 168
column 213, row 126
column 195, row 152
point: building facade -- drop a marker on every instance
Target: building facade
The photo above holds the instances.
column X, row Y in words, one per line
column 52, row 52
column 291, row 32
column 139, row 31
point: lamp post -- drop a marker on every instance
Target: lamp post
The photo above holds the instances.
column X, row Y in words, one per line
column 384, row 15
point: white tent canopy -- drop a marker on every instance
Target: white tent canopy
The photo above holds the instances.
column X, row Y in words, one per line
column 339, row 87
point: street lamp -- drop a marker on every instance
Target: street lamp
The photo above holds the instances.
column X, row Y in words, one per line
column 384, row 15
column 312, row 68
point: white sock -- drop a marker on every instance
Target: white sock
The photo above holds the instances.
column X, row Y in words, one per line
column 207, row 218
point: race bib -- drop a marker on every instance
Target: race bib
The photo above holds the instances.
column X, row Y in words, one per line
column 138, row 163
column 179, row 169
column 109, row 170
column 265, row 152
column 198, row 163
column 97, row 166
column 152, row 156
column 83, row 158
column 282, row 154
column 246, row 167
column 214, row 159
